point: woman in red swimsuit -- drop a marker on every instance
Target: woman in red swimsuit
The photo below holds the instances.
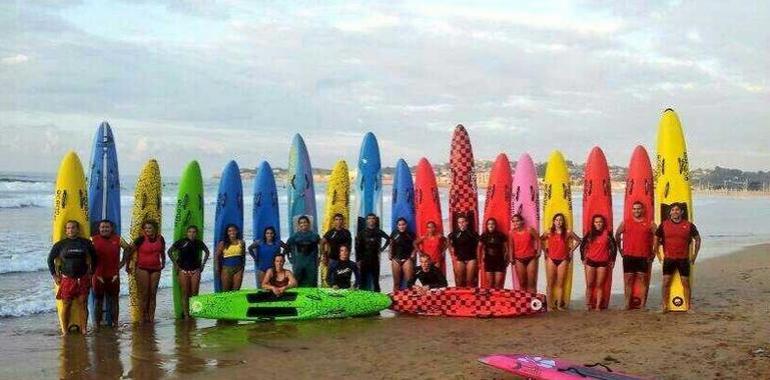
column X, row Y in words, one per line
column 150, row 260
column 433, row 244
column 525, row 245
column 558, row 243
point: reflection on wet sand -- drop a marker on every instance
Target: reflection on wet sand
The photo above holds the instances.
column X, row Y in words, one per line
column 74, row 359
column 187, row 346
column 146, row 362
column 106, row 349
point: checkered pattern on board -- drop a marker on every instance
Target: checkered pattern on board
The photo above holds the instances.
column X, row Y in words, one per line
column 469, row 302
column 463, row 190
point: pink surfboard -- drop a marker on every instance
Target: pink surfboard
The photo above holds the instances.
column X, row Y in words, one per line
column 525, row 198
column 543, row 368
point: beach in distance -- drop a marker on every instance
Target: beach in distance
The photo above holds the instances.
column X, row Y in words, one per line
column 725, row 336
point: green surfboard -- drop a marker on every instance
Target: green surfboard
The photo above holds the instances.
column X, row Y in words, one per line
column 294, row 304
column 189, row 212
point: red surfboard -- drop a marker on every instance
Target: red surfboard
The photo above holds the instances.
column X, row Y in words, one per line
column 427, row 205
column 463, row 193
column 468, row 302
column 639, row 188
column 597, row 200
column 497, row 204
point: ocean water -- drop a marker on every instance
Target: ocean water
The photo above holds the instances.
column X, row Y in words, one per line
column 726, row 224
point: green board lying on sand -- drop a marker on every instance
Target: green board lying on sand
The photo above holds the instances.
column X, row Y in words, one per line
column 294, row 304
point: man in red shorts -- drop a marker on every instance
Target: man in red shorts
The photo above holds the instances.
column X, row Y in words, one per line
column 676, row 235
column 106, row 282
column 76, row 256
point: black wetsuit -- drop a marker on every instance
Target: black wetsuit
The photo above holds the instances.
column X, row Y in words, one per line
column 465, row 244
column 337, row 238
column 368, row 248
column 340, row 273
column 402, row 245
column 74, row 255
column 189, row 253
column 494, row 251
column 430, row 279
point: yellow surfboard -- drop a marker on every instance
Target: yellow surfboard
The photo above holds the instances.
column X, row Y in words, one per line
column 337, row 202
column 557, row 199
column 147, row 206
column 672, row 185
column 70, row 202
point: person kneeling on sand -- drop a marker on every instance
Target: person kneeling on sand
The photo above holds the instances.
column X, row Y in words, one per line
column 342, row 270
column 429, row 275
column 277, row 279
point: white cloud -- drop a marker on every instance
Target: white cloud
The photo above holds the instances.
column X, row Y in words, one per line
column 14, row 59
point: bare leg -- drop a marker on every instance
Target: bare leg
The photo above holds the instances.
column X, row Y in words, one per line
column 643, row 297
column 521, row 274
column 395, row 268
column 471, row 271
column 142, row 289
column 558, row 287
column 532, row 276
column 260, row 278
column 153, row 292
column 226, row 279
column 601, row 276
column 65, row 309
column 498, row 279
column 590, row 284
column 238, row 279
column 98, row 310
column 628, row 282
column 550, row 284
column 666, row 291
column 686, row 289
column 459, row 271
column 184, row 287
column 408, row 270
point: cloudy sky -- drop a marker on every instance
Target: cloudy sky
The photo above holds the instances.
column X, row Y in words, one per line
column 215, row 80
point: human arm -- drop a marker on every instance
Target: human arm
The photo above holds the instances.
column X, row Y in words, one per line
column 658, row 243
column 52, row 262
column 385, row 236
column 536, row 239
column 206, row 254
column 91, row 252
column 697, row 241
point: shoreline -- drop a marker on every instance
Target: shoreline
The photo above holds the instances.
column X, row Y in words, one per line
column 723, row 336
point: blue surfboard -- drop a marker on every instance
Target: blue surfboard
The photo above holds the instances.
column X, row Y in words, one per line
column 369, row 180
column 402, row 205
column 229, row 208
column 265, row 210
column 103, row 196
column 301, row 190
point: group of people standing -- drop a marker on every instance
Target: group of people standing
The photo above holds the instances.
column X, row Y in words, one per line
column 80, row 265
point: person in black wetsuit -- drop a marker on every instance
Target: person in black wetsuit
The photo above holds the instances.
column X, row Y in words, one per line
column 495, row 253
column 429, row 275
column 77, row 259
column 368, row 248
column 341, row 271
column 333, row 239
column 189, row 265
column 401, row 254
column 463, row 247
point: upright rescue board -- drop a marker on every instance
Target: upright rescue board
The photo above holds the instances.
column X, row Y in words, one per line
column 597, row 200
column 70, row 203
column 265, row 211
column 639, row 188
column 672, row 184
column 301, row 196
column 497, row 205
column 104, row 198
column 463, row 190
column 229, row 209
column 147, row 207
column 189, row 212
column 557, row 199
column 525, row 200
column 368, row 181
column 427, row 204
column 337, row 202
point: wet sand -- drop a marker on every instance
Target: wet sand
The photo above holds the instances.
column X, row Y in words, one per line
column 727, row 336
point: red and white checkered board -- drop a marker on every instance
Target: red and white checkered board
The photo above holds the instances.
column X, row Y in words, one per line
column 463, row 191
column 469, row 302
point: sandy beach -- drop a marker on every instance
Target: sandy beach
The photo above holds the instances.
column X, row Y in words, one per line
column 726, row 336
